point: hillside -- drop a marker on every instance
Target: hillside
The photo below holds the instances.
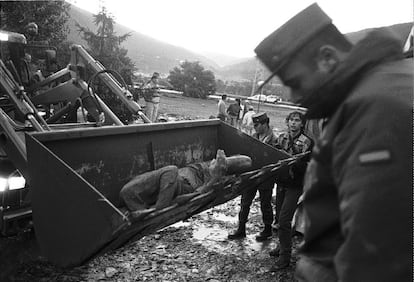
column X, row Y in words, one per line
column 152, row 55
column 148, row 54
column 246, row 69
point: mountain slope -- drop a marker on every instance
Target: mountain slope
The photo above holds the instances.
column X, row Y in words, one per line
column 151, row 55
column 148, row 54
column 246, row 70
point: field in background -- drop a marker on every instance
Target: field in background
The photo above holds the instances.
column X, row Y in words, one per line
column 194, row 108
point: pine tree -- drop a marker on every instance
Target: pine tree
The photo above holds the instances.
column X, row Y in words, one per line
column 105, row 46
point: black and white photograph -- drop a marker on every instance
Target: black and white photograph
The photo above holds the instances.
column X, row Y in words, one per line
column 195, row 140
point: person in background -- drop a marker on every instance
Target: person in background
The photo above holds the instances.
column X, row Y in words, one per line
column 31, row 31
column 130, row 98
column 289, row 185
column 221, row 105
column 247, row 123
column 264, row 133
column 132, row 101
column 233, row 112
column 243, row 111
column 151, row 92
column 358, row 192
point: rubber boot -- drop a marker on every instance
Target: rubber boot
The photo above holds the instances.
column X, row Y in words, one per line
column 265, row 234
column 239, row 234
column 275, row 252
column 282, row 263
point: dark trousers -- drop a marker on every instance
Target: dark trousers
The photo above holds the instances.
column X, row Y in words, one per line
column 265, row 194
column 286, row 203
column 233, row 120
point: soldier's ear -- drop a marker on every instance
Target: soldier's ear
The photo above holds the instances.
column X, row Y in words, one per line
column 328, row 59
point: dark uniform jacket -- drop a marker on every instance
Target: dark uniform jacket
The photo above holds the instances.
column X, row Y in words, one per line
column 268, row 137
column 293, row 177
column 358, row 192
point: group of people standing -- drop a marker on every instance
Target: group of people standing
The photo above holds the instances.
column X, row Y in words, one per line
column 358, row 185
column 289, row 186
column 237, row 114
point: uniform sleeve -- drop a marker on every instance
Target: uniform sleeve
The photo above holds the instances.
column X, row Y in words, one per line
column 278, row 143
column 272, row 140
column 298, row 169
column 307, row 145
column 372, row 168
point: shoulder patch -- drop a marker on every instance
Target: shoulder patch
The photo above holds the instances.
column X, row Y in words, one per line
column 374, row 157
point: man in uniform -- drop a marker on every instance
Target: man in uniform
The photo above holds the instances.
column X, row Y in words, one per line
column 290, row 184
column 358, row 185
column 264, row 133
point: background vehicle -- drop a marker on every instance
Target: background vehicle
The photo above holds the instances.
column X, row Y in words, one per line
column 273, row 99
column 257, row 98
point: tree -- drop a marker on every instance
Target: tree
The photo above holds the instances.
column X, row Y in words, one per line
column 193, row 80
column 105, row 46
column 50, row 16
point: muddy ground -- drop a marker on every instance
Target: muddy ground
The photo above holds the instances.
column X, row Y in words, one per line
column 195, row 250
column 180, row 107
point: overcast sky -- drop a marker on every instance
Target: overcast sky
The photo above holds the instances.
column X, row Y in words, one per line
column 235, row 27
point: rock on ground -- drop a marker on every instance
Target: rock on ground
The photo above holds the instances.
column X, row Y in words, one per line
column 194, row 250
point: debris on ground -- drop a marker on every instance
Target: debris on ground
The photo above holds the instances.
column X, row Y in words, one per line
column 194, row 250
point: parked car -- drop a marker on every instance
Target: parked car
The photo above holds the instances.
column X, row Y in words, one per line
column 257, row 98
column 273, row 99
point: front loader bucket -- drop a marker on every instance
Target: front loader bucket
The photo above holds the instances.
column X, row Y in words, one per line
column 76, row 177
column 72, row 217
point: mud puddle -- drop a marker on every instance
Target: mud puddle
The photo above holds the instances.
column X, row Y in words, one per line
column 211, row 229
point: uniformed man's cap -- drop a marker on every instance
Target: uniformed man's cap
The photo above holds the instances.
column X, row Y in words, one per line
column 279, row 47
column 155, row 75
column 259, row 118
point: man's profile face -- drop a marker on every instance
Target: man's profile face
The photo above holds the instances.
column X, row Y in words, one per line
column 259, row 127
column 301, row 78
